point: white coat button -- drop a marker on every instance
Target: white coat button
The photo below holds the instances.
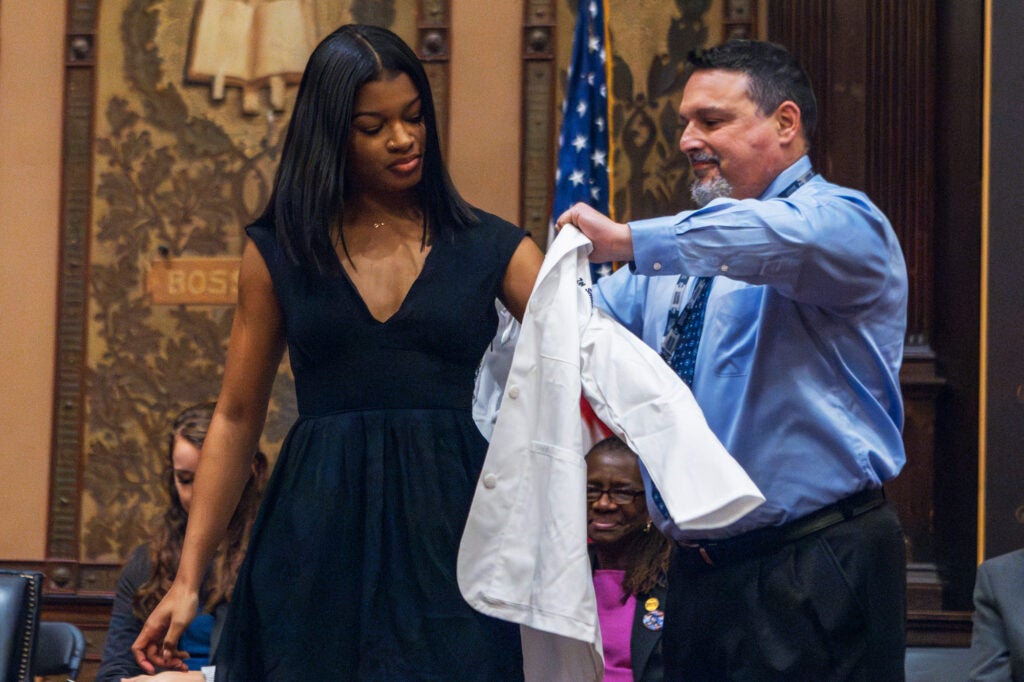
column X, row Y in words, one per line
column 724, row 268
column 656, row 266
column 513, row 392
column 490, row 480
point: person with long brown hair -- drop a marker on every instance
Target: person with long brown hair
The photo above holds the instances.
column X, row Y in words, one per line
column 630, row 559
column 152, row 566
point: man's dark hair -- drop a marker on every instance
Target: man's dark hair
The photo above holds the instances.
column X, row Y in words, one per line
column 775, row 75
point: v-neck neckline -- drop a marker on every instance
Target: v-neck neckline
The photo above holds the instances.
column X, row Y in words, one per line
column 405, row 298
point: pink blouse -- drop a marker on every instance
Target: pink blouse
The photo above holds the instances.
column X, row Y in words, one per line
column 616, row 621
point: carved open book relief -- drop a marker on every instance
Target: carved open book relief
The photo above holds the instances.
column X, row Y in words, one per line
column 251, row 44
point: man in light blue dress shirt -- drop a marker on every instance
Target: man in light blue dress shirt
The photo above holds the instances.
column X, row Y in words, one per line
column 797, row 371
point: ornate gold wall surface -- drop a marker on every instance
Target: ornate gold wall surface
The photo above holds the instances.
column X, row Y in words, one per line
column 650, row 41
column 181, row 163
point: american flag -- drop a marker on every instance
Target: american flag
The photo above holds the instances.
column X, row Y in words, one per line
column 583, row 143
column 583, row 149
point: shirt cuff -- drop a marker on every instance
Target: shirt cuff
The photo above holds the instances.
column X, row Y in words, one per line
column 656, row 246
column 209, row 672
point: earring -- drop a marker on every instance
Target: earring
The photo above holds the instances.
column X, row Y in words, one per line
column 647, row 528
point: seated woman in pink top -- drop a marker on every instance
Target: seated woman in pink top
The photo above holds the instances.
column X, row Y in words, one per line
column 630, row 560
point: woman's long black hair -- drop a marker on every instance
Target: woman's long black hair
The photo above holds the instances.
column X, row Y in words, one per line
column 309, row 190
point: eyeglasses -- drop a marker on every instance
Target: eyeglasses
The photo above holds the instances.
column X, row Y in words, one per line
column 616, row 495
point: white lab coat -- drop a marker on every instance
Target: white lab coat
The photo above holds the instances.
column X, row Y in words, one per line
column 523, row 556
column 492, row 374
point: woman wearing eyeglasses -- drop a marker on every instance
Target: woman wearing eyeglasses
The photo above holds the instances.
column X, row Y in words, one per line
column 630, row 560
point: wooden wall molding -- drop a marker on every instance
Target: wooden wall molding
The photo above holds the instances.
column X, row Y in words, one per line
column 68, row 415
column 539, row 73
column 433, row 47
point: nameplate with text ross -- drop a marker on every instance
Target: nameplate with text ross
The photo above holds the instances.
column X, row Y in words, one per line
column 193, row 281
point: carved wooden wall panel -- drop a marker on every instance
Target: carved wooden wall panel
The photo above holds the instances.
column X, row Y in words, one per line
column 872, row 66
column 433, row 47
column 877, row 67
column 649, row 45
column 539, row 68
column 65, row 493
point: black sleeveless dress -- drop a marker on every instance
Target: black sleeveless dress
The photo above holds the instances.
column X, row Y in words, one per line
column 350, row 573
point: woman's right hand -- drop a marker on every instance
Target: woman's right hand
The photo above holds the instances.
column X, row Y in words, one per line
column 157, row 643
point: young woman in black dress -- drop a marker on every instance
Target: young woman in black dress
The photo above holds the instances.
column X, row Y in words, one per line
column 381, row 280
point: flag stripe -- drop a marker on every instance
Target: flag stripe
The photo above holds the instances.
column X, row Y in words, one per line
column 584, row 154
column 584, row 150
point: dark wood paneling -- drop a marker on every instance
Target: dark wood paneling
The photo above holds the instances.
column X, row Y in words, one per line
column 1004, row 318
column 940, row 628
column 872, row 64
column 957, row 258
column 877, row 66
column 88, row 608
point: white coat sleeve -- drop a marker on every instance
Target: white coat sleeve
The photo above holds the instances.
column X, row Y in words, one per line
column 646, row 404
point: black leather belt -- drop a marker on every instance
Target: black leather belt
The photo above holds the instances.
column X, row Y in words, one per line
column 766, row 540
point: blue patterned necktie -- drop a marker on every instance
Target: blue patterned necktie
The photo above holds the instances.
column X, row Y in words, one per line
column 688, row 327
